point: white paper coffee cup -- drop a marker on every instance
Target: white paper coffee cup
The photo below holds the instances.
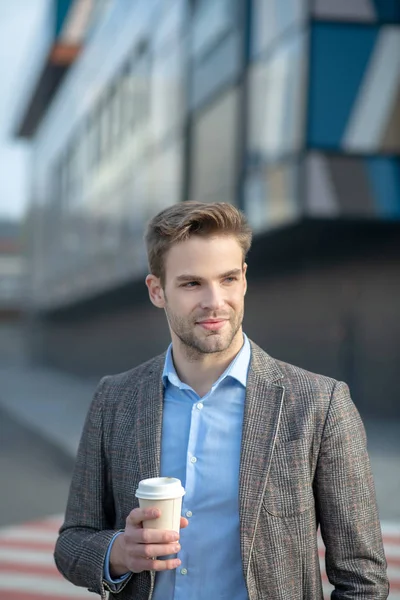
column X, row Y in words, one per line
column 164, row 493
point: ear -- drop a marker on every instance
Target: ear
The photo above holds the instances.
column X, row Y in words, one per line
column 156, row 291
column 244, row 278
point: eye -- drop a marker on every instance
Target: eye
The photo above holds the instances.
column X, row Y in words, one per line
column 190, row 284
column 230, row 279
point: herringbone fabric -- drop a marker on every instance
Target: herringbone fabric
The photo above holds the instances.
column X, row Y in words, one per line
column 303, row 463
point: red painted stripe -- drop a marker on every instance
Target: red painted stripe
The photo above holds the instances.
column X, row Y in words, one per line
column 394, row 585
column 45, row 570
column 14, row 595
column 47, row 524
column 393, row 561
column 391, row 538
column 27, row 544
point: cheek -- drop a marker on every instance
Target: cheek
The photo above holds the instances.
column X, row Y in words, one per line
column 239, row 294
column 181, row 303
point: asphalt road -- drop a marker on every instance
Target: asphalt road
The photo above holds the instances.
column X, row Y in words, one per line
column 34, row 476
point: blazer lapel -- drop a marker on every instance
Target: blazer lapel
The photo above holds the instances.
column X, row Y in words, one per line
column 148, row 425
column 264, row 400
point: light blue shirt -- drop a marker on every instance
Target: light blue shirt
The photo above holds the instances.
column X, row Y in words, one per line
column 200, row 445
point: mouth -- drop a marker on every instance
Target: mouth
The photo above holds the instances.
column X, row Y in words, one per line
column 212, row 324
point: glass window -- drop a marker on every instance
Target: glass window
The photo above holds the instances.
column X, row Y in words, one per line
column 219, row 68
column 354, row 88
column 96, row 135
column 277, row 102
column 108, row 224
column 270, row 18
column 352, row 186
column 214, row 148
column 358, row 10
column 115, row 114
column 165, row 178
column 167, row 94
column 90, row 141
column 126, row 93
column 141, row 73
column 156, row 183
column 211, row 20
column 105, row 126
column 82, row 158
column 172, row 17
column 271, row 196
column 136, row 90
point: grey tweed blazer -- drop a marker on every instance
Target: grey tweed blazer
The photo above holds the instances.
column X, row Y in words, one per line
column 303, row 462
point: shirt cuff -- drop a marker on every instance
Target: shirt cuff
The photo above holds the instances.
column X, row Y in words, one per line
column 107, row 575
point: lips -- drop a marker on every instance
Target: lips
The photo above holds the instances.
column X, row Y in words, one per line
column 212, row 324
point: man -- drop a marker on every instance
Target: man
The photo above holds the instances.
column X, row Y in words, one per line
column 265, row 450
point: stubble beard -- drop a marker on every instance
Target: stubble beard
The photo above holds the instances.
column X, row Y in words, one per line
column 211, row 342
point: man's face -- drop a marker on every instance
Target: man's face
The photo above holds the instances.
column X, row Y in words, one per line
column 205, row 284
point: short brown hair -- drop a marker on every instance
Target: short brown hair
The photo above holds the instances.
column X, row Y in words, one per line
column 179, row 222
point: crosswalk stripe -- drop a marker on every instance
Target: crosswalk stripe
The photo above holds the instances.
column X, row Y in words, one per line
column 45, row 570
column 24, row 595
column 390, row 527
column 25, row 556
column 41, row 585
column 28, row 545
column 28, row 535
column 28, row 572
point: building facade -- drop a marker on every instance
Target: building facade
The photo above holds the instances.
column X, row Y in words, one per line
column 288, row 109
column 12, row 270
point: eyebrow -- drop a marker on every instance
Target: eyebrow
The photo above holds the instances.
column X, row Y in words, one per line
column 188, row 277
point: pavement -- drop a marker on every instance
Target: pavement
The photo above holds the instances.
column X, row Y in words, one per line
column 35, row 476
column 53, row 404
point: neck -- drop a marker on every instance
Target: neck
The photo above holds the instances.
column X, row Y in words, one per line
column 200, row 371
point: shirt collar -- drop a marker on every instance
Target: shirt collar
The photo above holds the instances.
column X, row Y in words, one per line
column 237, row 369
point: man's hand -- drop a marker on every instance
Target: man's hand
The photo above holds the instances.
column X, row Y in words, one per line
column 137, row 548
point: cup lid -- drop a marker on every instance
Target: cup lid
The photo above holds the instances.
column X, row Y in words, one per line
column 160, row 488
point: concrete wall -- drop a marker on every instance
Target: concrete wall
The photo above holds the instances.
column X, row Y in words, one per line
column 343, row 322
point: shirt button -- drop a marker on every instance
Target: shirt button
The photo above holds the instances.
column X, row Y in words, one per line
column 189, row 513
column 199, row 405
column 193, row 459
column 183, row 571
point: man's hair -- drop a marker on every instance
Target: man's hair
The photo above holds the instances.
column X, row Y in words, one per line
column 179, row 222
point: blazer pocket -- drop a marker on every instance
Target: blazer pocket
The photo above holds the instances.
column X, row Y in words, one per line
column 289, row 487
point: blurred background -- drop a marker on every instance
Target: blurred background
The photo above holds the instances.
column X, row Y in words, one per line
column 114, row 109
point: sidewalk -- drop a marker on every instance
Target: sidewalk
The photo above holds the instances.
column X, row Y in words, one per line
column 54, row 404
column 51, row 403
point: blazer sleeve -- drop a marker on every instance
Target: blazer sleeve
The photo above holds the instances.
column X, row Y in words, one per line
column 346, row 505
column 87, row 530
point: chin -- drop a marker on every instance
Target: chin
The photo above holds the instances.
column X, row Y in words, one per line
column 215, row 345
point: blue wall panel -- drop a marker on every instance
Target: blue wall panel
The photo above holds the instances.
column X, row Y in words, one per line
column 339, row 57
column 384, row 176
column 62, row 8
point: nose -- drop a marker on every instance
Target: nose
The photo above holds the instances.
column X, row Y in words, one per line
column 212, row 298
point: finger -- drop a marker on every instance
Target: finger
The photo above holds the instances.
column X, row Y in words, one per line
column 184, row 523
column 157, row 550
column 151, row 536
column 138, row 515
column 155, row 565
